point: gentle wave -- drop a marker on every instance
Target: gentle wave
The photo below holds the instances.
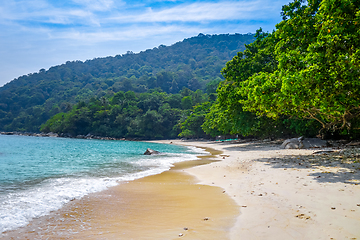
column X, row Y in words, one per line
column 18, row 208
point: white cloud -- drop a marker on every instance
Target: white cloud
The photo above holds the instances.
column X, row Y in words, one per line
column 96, row 5
column 37, row 12
column 204, row 11
column 39, row 33
column 89, row 12
column 40, row 12
column 131, row 32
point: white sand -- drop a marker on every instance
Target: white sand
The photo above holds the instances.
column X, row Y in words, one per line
column 285, row 194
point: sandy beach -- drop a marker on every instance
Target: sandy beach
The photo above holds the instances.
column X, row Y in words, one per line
column 169, row 205
column 286, row 194
column 250, row 190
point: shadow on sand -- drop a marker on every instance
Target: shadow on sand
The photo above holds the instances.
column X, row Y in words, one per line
column 249, row 145
column 333, row 167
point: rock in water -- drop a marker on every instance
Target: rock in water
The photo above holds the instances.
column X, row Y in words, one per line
column 150, row 152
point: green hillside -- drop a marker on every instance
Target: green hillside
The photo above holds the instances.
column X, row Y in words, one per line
column 194, row 63
column 303, row 79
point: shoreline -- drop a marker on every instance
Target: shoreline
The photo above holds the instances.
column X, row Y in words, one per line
column 168, row 205
column 264, row 192
column 286, row 193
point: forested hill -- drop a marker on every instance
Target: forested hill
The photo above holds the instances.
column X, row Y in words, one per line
column 194, row 63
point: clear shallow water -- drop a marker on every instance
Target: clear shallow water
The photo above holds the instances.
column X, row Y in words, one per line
column 39, row 175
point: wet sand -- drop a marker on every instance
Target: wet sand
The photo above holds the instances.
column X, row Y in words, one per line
column 170, row 205
column 253, row 191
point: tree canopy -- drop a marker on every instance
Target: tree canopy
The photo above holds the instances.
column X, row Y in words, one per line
column 151, row 115
column 307, row 69
column 194, row 63
column 318, row 71
column 301, row 79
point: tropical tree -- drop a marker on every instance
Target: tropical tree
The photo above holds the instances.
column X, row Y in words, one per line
column 318, row 72
column 191, row 127
column 227, row 114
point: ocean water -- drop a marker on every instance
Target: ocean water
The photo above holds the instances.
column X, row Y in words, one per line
column 40, row 175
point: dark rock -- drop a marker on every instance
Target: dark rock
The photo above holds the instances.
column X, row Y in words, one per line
column 314, row 143
column 293, row 143
column 51, row 134
column 89, row 136
column 150, row 152
column 301, row 142
column 7, row 133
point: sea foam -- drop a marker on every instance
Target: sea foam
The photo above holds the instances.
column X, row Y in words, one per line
column 18, row 208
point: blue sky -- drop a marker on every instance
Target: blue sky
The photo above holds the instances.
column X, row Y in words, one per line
column 37, row 34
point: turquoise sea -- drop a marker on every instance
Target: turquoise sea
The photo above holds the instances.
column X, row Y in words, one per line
column 39, row 175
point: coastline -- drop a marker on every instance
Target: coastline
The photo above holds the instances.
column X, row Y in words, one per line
column 251, row 190
column 285, row 193
column 168, row 205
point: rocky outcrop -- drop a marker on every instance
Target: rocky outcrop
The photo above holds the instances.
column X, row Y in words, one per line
column 314, row 143
column 293, row 143
column 150, row 152
column 50, row 134
column 301, row 142
column 7, row 133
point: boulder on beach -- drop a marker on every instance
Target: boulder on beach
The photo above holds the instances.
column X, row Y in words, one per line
column 301, row 142
column 314, row 143
column 150, row 152
column 293, row 143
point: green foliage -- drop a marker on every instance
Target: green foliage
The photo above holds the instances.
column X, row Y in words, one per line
column 227, row 116
column 150, row 115
column 318, row 72
column 191, row 127
column 186, row 102
column 304, row 77
column 212, row 85
column 192, row 64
